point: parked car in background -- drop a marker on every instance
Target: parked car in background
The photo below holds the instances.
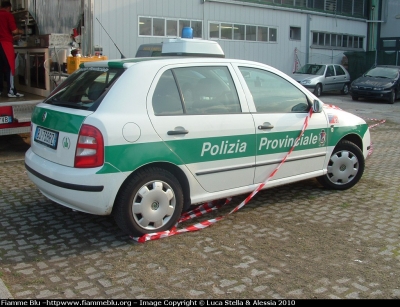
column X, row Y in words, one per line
column 319, row 78
column 380, row 82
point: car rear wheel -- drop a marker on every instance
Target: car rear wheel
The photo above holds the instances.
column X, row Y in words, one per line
column 345, row 89
column 345, row 167
column 355, row 98
column 392, row 97
column 318, row 90
column 151, row 201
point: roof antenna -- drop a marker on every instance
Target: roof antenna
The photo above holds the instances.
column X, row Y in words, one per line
column 122, row 56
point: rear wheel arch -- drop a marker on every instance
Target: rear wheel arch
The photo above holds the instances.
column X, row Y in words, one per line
column 174, row 170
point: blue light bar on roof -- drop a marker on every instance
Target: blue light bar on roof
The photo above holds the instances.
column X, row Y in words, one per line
column 187, row 32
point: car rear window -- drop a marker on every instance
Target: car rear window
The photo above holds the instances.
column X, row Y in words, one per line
column 85, row 88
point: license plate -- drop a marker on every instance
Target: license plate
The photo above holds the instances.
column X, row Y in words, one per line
column 46, row 137
column 5, row 119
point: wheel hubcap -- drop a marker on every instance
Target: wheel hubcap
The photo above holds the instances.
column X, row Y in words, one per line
column 153, row 205
column 343, row 167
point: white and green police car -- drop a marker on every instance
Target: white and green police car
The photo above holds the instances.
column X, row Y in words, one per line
column 144, row 138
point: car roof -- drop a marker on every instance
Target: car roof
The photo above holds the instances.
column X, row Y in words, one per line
column 164, row 60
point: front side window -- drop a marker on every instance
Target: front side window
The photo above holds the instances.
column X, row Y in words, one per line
column 272, row 93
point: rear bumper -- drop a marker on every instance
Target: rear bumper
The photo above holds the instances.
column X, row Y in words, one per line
column 78, row 189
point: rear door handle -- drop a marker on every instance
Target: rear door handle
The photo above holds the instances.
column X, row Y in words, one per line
column 265, row 126
column 177, row 131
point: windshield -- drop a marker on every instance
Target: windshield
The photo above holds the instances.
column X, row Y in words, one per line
column 312, row 69
column 85, row 88
column 382, row 72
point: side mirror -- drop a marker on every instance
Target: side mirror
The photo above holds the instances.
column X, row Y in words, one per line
column 317, row 106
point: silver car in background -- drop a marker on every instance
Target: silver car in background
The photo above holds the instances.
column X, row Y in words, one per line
column 319, row 78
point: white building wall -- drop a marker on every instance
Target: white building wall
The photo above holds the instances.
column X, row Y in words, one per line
column 120, row 20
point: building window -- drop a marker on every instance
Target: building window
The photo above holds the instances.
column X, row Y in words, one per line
column 295, row 33
column 172, row 27
column 251, row 33
column 272, row 34
column 214, row 30
column 389, row 43
column 262, row 34
column 343, row 7
column 242, row 32
column 155, row 26
column 197, row 27
column 239, row 32
column 226, row 31
column 144, row 26
column 321, row 39
column 158, row 27
column 339, row 41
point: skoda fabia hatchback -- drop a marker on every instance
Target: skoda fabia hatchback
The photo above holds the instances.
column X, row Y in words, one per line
column 145, row 138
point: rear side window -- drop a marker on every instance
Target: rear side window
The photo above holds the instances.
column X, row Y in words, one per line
column 339, row 70
column 196, row 90
column 272, row 93
column 85, row 88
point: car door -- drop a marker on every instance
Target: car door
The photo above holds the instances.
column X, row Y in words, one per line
column 280, row 110
column 197, row 111
column 330, row 79
column 341, row 77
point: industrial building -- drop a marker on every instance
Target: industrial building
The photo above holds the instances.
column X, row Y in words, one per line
column 283, row 33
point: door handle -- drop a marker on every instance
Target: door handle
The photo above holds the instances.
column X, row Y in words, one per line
column 178, row 131
column 265, row 126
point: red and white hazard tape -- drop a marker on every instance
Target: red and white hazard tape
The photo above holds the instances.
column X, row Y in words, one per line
column 209, row 206
column 379, row 122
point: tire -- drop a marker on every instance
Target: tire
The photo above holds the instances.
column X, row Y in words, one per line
column 318, row 90
column 151, row 201
column 355, row 98
column 345, row 89
column 392, row 97
column 345, row 167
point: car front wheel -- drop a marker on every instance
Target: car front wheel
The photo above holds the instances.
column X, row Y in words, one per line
column 151, row 201
column 318, row 90
column 345, row 167
column 392, row 97
column 355, row 98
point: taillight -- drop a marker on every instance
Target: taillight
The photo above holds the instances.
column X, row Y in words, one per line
column 90, row 148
